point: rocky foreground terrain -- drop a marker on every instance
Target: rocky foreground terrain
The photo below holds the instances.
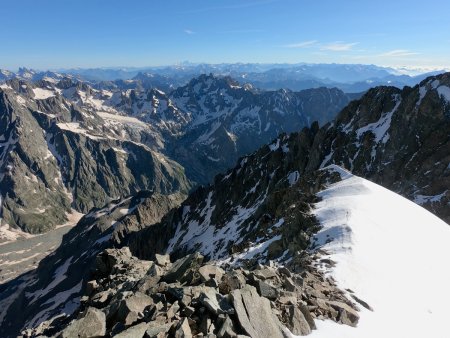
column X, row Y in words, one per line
column 135, row 298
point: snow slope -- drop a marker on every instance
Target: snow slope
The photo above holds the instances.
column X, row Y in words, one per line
column 392, row 253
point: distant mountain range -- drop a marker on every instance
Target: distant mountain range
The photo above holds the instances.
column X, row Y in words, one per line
column 350, row 78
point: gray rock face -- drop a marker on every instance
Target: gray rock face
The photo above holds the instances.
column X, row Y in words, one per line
column 266, row 290
column 162, row 260
column 255, row 315
column 215, row 302
column 210, row 271
column 183, row 329
column 184, row 269
column 91, row 324
column 131, row 309
column 55, row 156
column 33, row 197
column 137, row 331
column 297, row 322
column 157, row 329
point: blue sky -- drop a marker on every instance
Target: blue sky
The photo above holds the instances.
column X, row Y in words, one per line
column 51, row 34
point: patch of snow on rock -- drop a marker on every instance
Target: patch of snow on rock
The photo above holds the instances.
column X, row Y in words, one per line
column 41, row 94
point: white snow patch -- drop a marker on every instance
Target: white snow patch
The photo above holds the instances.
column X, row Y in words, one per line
column 387, row 249
column 293, row 177
column 122, row 119
column 274, row 146
column 76, row 128
column 422, row 199
column 58, row 276
column 327, row 159
column 256, row 249
column 57, row 300
column 444, row 91
column 381, row 127
column 41, row 94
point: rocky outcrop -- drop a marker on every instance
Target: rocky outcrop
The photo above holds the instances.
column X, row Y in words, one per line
column 145, row 299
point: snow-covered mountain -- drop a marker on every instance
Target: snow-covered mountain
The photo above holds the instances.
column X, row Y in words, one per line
column 106, row 144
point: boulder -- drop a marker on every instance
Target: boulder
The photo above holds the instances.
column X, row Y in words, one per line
column 227, row 329
column 296, row 321
column 182, row 294
column 210, row 271
column 304, row 309
column 183, row 329
column 255, row 314
column 206, row 325
column 156, row 271
column 284, row 271
column 215, row 302
column 232, row 280
column 155, row 329
column 101, row 298
column 184, row 269
column 264, row 273
column 92, row 323
column 162, row 260
column 110, row 257
column 188, row 311
column 148, row 283
column 131, row 309
column 91, row 286
column 289, row 284
column 266, row 290
column 360, row 301
column 172, row 311
column 136, row 331
column 345, row 313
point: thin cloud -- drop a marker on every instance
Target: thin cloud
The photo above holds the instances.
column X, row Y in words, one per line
column 189, row 32
column 339, row 46
column 399, row 53
column 304, row 44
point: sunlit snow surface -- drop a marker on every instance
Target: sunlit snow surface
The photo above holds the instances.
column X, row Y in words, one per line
column 392, row 253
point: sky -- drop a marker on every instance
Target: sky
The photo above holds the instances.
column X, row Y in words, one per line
column 55, row 34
